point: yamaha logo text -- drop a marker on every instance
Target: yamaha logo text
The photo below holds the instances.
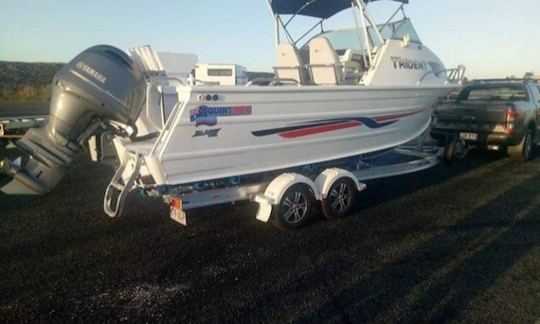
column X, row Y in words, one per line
column 90, row 71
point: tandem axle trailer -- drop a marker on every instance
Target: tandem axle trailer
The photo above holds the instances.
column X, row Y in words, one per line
column 286, row 198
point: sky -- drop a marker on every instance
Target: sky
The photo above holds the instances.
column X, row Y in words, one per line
column 492, row 38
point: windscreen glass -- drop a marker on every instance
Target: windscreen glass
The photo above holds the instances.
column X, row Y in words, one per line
column 353, row 38
column 402, row 29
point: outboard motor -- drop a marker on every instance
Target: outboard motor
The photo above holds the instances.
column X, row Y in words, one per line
column 99, row 88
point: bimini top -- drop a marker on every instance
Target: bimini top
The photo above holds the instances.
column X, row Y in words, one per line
column 314, row 8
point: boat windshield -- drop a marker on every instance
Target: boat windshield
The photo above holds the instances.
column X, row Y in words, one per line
column 353, row 38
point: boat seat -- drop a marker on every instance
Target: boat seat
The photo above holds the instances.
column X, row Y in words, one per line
column 289, row 66
column 352, row 66
column 325, row 66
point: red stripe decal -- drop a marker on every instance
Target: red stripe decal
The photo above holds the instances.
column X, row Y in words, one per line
column 320, row 129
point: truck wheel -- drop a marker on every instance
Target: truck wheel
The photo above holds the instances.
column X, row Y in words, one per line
column 294, row 209
column 524, row 151
column 455, row 149
column 449, row 152
column 340, row 199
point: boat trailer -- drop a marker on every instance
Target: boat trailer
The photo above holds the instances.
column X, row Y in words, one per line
column 273, row 193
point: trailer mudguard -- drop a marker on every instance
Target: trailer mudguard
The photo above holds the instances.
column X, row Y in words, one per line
column 275, row 190
column 326, row 179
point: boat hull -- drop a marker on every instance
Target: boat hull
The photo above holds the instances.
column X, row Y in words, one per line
column 260, row 129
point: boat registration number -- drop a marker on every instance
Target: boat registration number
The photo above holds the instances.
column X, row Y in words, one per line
column 468, row 136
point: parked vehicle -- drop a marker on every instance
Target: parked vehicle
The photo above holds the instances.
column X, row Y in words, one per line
column 17, row 118
column 221, row 74
column 500, row 115
column 12, row 128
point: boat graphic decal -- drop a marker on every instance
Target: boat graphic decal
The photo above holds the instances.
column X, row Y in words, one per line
column 330, row 125
column 206, row 132
column 204, row 115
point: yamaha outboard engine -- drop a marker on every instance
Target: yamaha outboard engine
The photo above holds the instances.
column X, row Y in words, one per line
column 100, row 87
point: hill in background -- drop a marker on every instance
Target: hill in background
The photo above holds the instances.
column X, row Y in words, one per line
column 26, row 81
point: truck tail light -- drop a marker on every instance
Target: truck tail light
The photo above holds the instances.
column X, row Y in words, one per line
column 511, row 114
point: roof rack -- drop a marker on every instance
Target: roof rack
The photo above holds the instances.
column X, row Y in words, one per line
column 521, row 80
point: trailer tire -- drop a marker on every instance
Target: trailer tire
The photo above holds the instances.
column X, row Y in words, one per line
column 340, row 200
column 294, row 209
column 524, row 151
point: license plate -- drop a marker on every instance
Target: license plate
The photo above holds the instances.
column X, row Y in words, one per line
column 468, row 136
column 179, row 216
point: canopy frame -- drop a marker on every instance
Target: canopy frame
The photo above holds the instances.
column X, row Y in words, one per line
column 314, row 8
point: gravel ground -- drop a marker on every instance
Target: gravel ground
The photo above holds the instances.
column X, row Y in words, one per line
column 459, row 243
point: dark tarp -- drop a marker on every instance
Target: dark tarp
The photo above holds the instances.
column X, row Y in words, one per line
column 314, row 8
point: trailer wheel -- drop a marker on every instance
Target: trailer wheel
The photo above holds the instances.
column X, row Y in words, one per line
column 340, row 199
column 294, row 209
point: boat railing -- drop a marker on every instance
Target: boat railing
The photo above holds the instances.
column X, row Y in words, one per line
column 454, row 75
column 176, row 113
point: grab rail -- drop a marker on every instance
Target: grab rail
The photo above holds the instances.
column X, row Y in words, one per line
column 456, row 75
column 177, row 111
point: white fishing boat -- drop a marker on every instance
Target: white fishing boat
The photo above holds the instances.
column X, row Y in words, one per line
column 343, row 93
column 324, row 106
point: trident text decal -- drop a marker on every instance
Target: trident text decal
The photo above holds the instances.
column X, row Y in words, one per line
column 408, row 64
column 204, row 115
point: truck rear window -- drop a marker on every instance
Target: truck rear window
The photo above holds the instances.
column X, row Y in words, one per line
column 494, row 93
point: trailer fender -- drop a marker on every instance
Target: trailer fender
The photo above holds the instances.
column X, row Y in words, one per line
column 265, row 209
column 326, row 179
column 275, row 190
